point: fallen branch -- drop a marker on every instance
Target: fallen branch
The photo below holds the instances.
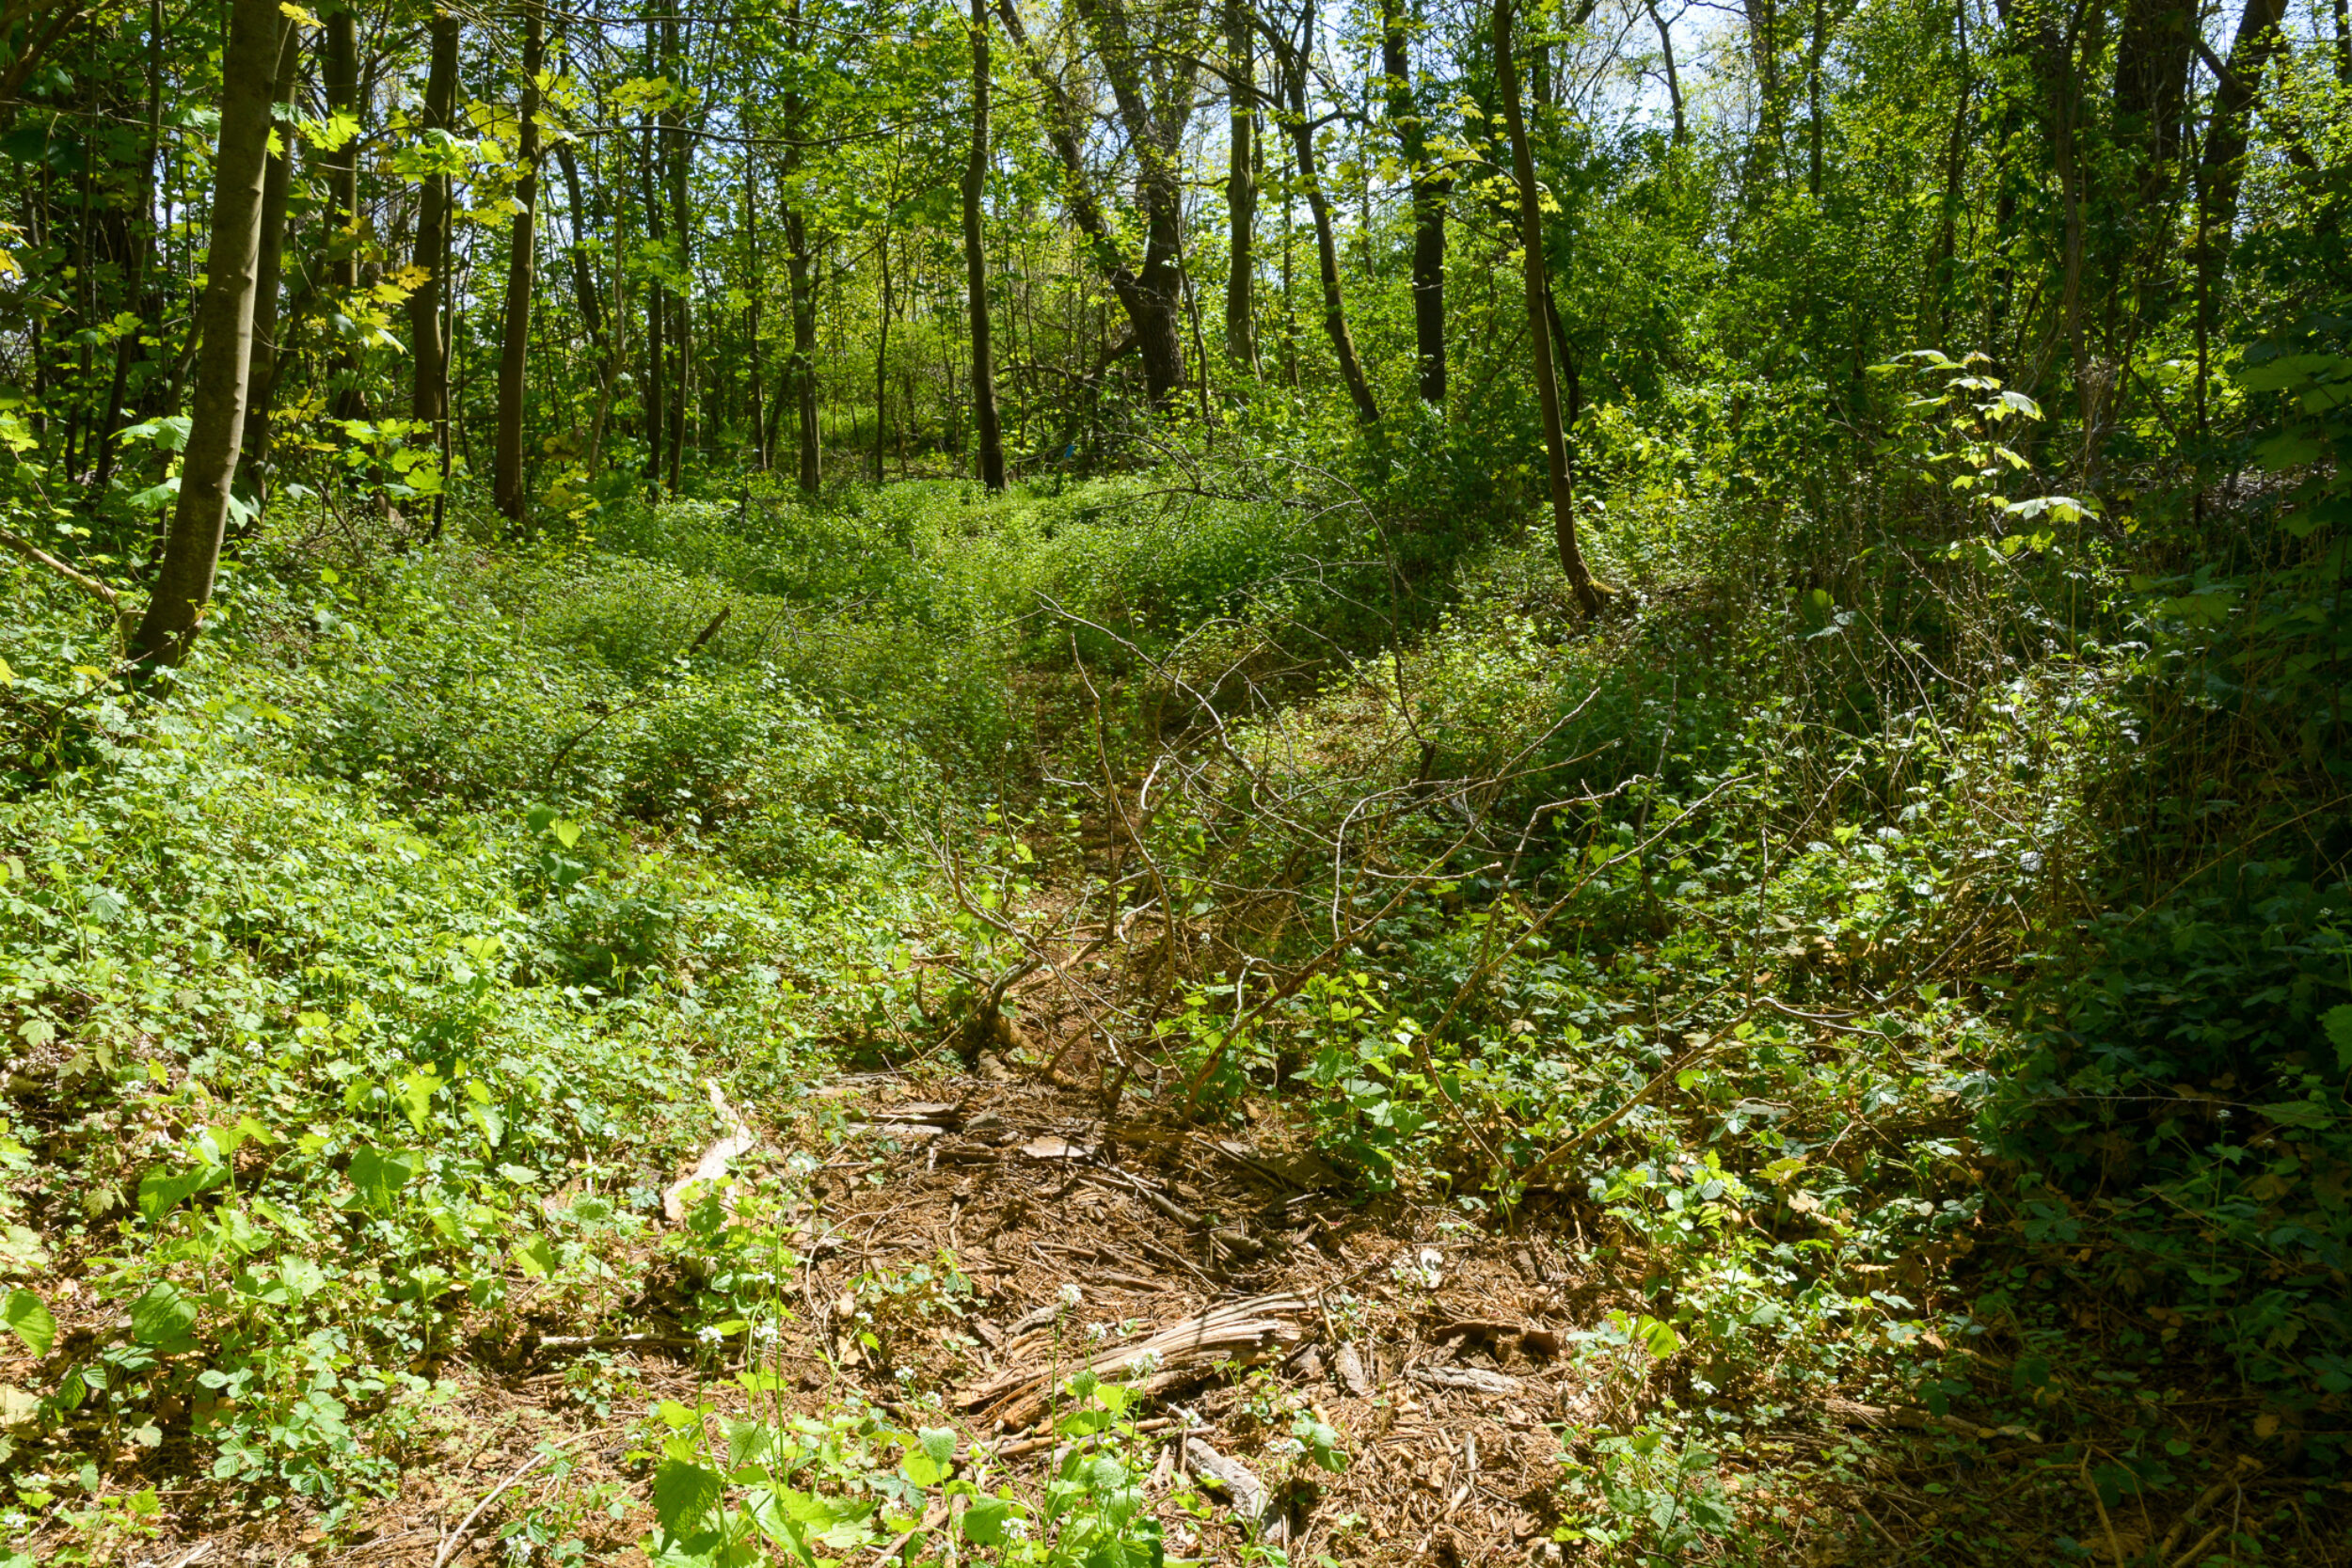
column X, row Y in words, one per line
column 1242, row 1331
column 104, row 593
column 450, row 1544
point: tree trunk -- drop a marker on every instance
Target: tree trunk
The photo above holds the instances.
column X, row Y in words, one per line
column 1326, row 249
column 142, row 255
column 1673, row 79
column 1241, row 191
column 754, row 293
column 341, row 71
column 216, row 415
column 881, row 359
column 797, row 262
column 1588, row 597
column 2221, row 169
column 678, row 165
column 583, row 271
column 1814, row 49
column 507, row 487
column 985, row 427
column 269, row 268
column 1431, row 188
column 2154, row 48
column 1149, row 297
column 429, row 373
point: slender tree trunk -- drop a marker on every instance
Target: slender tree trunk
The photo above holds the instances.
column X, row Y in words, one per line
column 583, row 271
column 261, row 373
column 754, row 294
column 1587, row 592
column 657, row 301
column 142, row 257
column 429, row 373
column 2221, row 167
column 507, row 485
column 677, row 164
column 800, row 264
column 1814, row 51
column 1327, row 248
column 341, row 71
column 1673, row 79
column 1431, row 188
column 1241, row 190
column 881, row 359
column 217, row 417
column 985, row 426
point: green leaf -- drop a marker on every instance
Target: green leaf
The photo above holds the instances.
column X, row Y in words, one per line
column 684, row 1494
column 24, row 1313
column 2337, row 1022
column 379, row 1174
column 414, row 1094
column 984, row 1521
column 163, row 1189
column 162, row 1320
column 301, row 1276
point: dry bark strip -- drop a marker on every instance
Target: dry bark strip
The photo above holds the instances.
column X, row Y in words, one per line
column 1241, row 1330
column 738, row 1141
column 1250, row 1497
column 1468, row 1379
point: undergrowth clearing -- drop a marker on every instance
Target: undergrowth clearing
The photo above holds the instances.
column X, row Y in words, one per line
column 1641, row 1086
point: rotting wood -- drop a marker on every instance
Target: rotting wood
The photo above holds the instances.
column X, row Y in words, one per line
column 1472, row 1380
column 1251, row 1501
column 1349, row 1363
column 1240, row 1331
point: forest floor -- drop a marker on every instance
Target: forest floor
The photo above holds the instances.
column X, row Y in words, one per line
column 1440, row 1353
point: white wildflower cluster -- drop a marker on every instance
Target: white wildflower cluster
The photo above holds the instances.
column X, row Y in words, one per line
column 1071, row 1295
column 1145, row 1364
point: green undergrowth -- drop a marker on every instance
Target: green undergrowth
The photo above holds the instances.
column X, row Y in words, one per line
column 363, row 988
column 1798, row 940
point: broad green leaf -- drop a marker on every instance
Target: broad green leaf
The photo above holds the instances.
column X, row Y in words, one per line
column 684, row 1494
column 163, row 1320
column 163, row 1189
column 984, row 1521
column 24, row 1312
column 379, row 1174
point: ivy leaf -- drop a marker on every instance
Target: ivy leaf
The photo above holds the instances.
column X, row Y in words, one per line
column 24, row 1313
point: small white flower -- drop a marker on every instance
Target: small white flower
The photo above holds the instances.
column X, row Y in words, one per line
column 1146, row 1363
column 708, row 1336
column 1071, row 1295
column 905, row 1374
column 1096, row 1331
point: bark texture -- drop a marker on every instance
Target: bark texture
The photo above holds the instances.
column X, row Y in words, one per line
column 183, row 584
